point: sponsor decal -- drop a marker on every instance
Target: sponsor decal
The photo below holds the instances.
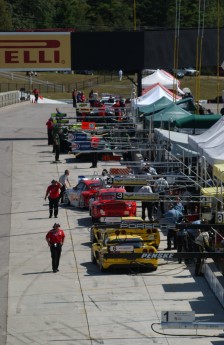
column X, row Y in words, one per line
column 135, row 226
column 137, row 196
column 20, row 51
column 81, row 145
column 126, row 181
column 75, row 146
column 157, row 256
column 88, row 125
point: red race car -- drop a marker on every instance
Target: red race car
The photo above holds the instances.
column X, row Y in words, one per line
column 79, row 195
column 106, row 205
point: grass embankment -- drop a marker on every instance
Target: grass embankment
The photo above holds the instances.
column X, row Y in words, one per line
column 207, row 87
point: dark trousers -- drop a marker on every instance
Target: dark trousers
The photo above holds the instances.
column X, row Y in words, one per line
column 74, row 102
column 53, row 206
column 149, row 207
column 57, row 152
column 55, row 255
column 182, row 245
column 171, row 234
column 50, row 137
column 199, row 262
column 94, row 159
column 36, row 97
column 62, row 193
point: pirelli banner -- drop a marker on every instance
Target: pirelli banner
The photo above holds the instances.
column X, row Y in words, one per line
column 48, row 51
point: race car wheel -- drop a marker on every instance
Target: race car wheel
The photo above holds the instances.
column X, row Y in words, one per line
column 93, row 259
column 66, row 199
column 95, row 220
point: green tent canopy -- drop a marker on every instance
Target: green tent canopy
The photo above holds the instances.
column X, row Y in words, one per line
column 162, row 103
column 159, row 105
column 166, row 118
column 174, row 115
column 198, row 121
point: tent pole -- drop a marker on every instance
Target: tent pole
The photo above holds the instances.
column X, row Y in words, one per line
column 139, row 82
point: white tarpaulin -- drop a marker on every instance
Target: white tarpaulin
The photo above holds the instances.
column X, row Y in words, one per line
column 210, row 144
column 154, row 94
column 43, row 100
column 162, row 77
column 178, row 141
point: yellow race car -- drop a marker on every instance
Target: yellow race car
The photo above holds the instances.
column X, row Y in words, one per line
column 128, row 251
column 149, row 232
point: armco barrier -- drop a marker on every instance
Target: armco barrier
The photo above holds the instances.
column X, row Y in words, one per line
column 8, row 98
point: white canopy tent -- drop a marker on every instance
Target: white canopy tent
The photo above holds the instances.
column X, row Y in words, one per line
column 162, row 77
column 156, row 92
column 179, row 142
column 210, row 144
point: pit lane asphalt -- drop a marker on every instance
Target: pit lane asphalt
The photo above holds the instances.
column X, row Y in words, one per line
column 79, row 305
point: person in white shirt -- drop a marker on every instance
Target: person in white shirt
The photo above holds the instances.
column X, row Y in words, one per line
column 160, row 186
column 147, row 205
column 63, row 179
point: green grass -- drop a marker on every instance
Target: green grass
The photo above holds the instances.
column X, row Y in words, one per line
column 207, row 87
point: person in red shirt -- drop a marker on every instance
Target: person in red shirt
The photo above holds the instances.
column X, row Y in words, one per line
column 55, row 239
column 50, row 125
column 36, row 95
column 53, row 193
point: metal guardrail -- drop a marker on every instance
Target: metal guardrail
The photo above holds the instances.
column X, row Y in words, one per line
column 8, row 98
column 29, row 83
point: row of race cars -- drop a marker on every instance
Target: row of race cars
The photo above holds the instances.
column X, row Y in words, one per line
column 75, row 131
column 119, row 238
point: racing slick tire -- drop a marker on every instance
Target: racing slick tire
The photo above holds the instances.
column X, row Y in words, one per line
column 95, row 220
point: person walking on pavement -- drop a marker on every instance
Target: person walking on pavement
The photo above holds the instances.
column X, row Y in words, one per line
column 55, row 239
column 64, row 181
column 53, row 194
column 36, row 95
column 50, row 126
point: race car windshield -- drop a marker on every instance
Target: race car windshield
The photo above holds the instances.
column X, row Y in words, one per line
column 95, row 186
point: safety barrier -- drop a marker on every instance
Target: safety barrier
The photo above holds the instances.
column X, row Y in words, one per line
column 8, row 98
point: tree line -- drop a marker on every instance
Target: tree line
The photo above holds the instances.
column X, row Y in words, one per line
column 109, row 15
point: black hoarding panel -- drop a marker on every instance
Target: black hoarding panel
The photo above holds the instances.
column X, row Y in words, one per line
column 107, row 51
column 135, row 51
column 159, row 48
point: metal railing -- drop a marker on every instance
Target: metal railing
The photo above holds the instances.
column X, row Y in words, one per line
column 48, row 87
